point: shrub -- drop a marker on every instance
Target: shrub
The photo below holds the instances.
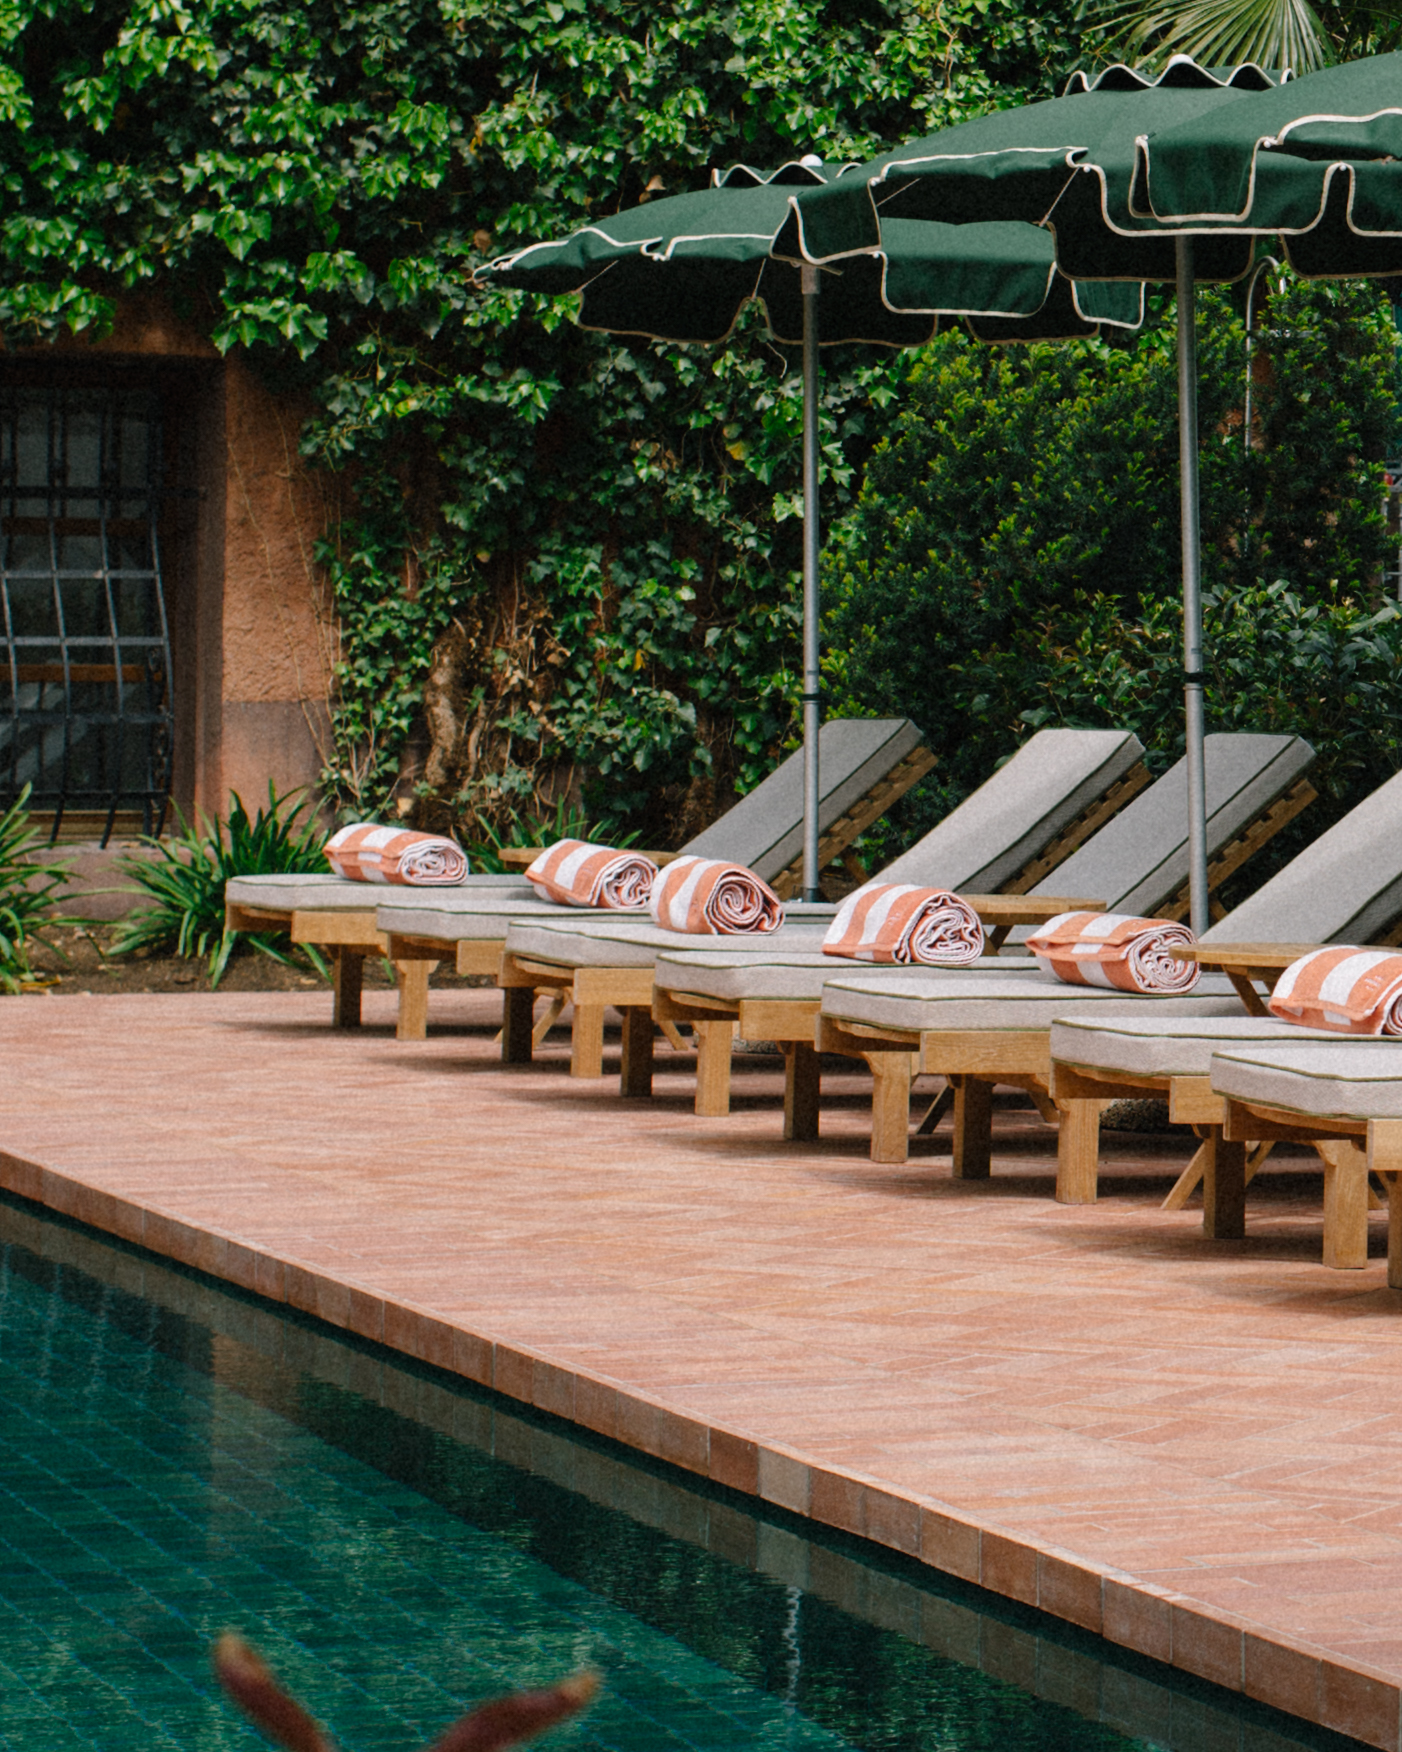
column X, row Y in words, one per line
column 1013, row 560
column 27, row 894
column 185, row 880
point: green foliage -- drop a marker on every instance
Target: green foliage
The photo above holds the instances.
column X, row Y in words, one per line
column 603, row 534
column 526, row 827
column 187, row 871
column 28, row 892
column 1014, row 558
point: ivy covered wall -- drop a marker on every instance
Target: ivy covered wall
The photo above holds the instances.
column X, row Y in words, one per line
column 570, row 563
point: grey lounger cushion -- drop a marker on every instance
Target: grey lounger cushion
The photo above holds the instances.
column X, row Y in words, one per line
column 973, row 1001
column 1345, row 888
column 1164, row 1046
column 335, row 894
column 592, row 943
column 1358, row 1078
column 1017, row 813
column 749, row 974
column 474, row 917
column 1138, row 861
column 764, row 830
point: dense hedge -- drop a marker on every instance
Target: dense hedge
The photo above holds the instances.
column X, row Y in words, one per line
column 1013, row 559
column 567, row 553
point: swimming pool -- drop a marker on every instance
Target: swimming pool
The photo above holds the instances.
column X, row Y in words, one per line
column 177, row 1458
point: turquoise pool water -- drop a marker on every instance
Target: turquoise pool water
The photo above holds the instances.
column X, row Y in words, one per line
column 176, row 1459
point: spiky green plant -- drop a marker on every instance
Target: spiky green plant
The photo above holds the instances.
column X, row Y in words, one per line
column 27, row 894
column 526, row 828
column 185, row 879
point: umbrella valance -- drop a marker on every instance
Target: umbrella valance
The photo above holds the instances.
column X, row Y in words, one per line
column 683, row 268
column 1023, row 164
column 1318, row 162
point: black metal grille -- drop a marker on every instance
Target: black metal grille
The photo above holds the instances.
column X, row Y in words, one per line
column 85, row 696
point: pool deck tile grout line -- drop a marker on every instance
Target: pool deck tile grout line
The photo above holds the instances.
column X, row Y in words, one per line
column 1244, row 1652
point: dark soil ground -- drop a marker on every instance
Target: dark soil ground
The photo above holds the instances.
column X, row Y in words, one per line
column 79, row 961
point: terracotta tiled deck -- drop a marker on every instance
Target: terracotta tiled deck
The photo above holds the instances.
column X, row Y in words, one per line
column 1195, row 1448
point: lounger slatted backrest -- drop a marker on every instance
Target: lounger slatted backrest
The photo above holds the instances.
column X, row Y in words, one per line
column 1139, row 862
column 864, row 765
column 1025, row 818
column 1346, row 887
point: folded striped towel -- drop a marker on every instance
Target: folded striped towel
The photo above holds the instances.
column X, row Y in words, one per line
column 580, row 873
column 365, row 852
column 1117, row 950
column 707, row 896
column 895, row 921
column 1344, row 989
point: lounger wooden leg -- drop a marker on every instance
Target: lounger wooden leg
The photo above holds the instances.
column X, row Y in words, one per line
column 801, row 1077
column 1223, row 1188
column 714, row 1041
column 1385, row 1160
column 517, row 1010
column 1078, row 1152
column 412, row 978
column 674, row 1039
column 973, row 1128
column 348, row 971
column 1345, row 1205
column 587, row 1041
column 636, row 1076
column 890, row 1104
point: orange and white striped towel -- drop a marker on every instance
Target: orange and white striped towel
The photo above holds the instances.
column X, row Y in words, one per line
column 1116, row 950
column 580, row 873
column 712, row 898
column 1347, row 990
column 895, row 921
column 364, row 852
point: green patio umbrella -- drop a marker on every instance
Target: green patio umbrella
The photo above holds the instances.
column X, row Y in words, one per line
column 1316, row 163
column 683, row 268
column 1067, row 165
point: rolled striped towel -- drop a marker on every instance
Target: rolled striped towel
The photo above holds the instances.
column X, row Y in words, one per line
column 1347, row 990
column 895, row 921
column 706, row 896
column 365, row 852
column 1116, row 950
column 580, row 873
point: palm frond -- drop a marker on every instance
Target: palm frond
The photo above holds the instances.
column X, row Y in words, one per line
column 1216, row 33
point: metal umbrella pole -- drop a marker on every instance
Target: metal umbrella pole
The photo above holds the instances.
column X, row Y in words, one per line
column 1193, row 675
column 812, row 715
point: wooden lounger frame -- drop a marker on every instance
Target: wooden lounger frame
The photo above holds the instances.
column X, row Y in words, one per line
column 1351, row 1149
column 1226, row 1160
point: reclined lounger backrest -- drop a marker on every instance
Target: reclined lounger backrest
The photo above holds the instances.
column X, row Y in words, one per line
column 764, row 830
column 1344, row 888
column 1139, row 862
column 1021, row 811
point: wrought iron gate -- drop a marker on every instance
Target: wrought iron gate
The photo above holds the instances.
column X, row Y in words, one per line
column 85, row 689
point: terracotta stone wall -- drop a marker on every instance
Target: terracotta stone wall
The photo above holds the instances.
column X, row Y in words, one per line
column 278, row 634
column 252, row 631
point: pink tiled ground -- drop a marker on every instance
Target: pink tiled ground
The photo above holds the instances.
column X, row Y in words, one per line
column 1196, row 1448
